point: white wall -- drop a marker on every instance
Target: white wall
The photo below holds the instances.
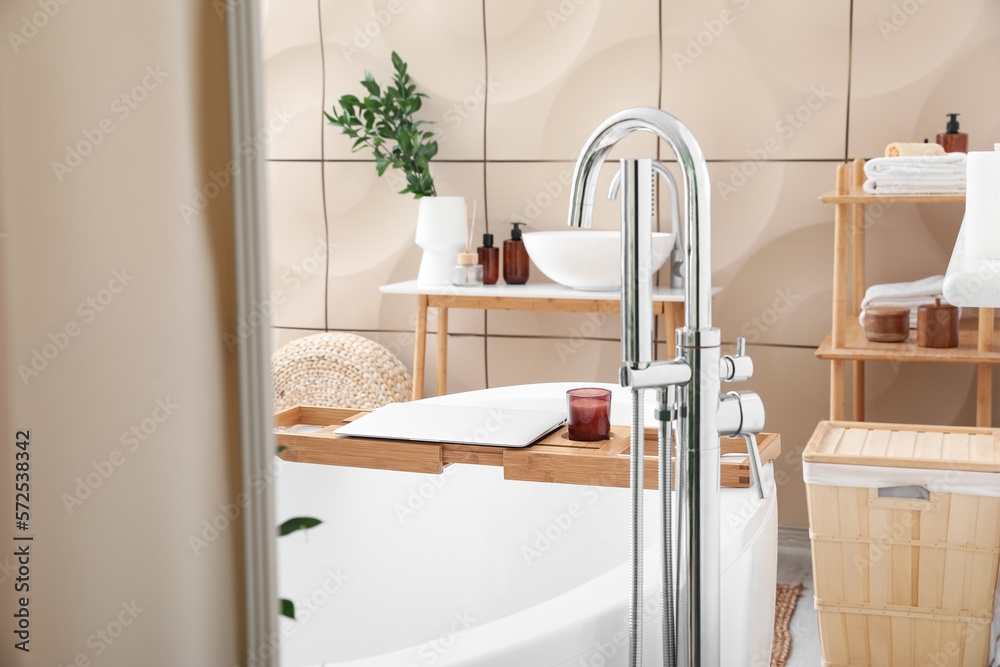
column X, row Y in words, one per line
column 158, row 339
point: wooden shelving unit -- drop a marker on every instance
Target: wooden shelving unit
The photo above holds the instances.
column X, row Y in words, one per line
column 978, row 342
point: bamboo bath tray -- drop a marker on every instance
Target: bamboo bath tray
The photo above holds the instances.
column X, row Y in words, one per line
column 555, row 458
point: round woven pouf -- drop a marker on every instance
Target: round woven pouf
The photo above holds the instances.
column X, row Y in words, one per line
column 339, row 370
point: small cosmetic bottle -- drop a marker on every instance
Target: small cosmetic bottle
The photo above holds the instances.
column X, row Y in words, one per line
column 467, row 273
column 489, row 257
column 951, row 139
column 515, row 258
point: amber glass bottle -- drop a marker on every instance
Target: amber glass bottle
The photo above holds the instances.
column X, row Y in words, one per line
column 489, row 257
column 515, row 258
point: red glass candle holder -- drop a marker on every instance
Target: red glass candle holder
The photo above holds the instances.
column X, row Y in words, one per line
column 589, row 414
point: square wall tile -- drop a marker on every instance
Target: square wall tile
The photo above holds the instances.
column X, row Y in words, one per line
column 527, row 360
column 914, row 63
column 443, row 45
column 560, row 68
column 759, row 78
column 297, row 244
column 372, row 237
column 772, row 251
column 293, row 80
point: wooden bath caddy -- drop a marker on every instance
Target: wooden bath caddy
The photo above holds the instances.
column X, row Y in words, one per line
column 555, row 458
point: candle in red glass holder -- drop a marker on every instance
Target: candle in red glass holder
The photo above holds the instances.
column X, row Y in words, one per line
column 589, row 414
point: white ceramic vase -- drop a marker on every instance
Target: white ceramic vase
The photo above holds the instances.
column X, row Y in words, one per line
column 441, row 233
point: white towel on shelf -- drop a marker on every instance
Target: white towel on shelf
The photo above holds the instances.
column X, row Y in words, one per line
column 917, row 174
column 887, row 187
column 903, row 295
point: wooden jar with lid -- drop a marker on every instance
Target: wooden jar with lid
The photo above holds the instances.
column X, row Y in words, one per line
column 937, row 325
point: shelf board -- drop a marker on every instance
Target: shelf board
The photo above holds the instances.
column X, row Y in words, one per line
column 858, row 196
column 859, row 348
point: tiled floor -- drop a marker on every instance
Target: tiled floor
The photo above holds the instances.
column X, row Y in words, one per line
column 795, row 565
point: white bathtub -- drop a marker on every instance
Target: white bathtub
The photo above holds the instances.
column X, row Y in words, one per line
column 469, row 570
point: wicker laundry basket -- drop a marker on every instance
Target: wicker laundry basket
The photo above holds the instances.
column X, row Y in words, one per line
column 338, row 370
column 905, row 528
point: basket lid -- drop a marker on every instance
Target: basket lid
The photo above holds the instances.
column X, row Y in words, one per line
column 905, row 446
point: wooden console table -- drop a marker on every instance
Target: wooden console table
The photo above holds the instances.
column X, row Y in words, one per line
column 667, row 302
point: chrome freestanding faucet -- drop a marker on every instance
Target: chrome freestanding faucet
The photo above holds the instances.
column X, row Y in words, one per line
column 691, row 611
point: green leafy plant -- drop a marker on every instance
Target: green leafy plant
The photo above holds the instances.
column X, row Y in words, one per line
column 383, row 123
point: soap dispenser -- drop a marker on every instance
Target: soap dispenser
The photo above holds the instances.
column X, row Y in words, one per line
column 951, row 139
column 515, row 258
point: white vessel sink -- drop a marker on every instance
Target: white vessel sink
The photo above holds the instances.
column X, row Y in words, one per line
column 587, row 259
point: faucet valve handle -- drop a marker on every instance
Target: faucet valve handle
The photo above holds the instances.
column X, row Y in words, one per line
column 736, row 367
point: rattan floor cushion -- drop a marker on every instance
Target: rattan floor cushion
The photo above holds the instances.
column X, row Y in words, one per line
column 338, row 370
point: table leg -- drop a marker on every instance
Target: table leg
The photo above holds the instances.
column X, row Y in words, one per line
column 858, row 412
column 420, row 347
column 442, row 353
column 673, row 314
column 837, row 390
column 984, row 372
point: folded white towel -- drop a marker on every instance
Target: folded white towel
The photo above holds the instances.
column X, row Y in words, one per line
column 916, row 175
column 915, row 164
column 910, row 295
column 894, row 186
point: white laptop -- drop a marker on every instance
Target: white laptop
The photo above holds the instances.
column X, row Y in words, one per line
column 459, row 424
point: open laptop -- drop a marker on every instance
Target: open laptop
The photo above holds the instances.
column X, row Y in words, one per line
column 459, row 424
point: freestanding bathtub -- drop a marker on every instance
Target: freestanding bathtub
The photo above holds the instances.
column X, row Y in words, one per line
column 466, row 569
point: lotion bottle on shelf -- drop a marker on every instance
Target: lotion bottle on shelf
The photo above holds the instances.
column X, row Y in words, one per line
column 951, row 139
column 515, row 258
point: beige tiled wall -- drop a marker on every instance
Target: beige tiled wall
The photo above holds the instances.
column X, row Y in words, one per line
column 777, row 91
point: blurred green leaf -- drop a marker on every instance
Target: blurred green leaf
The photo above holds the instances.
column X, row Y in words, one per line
column 296, row 524
column 287, row 608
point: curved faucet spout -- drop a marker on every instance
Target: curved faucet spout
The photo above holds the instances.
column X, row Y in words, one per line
column 697, row 193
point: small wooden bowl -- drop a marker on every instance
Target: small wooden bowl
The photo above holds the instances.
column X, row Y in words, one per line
column 887, row 325
column 937, row 325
